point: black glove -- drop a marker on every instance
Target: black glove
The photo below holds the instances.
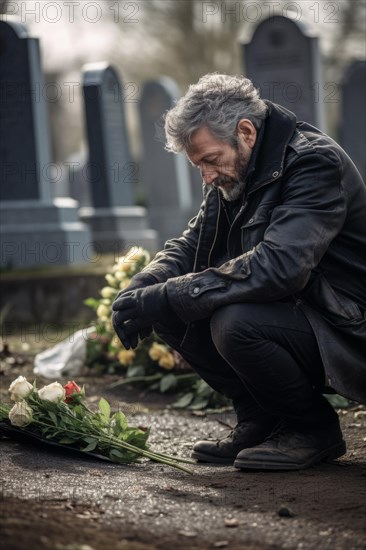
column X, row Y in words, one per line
column 140, row 280
column 138, row 310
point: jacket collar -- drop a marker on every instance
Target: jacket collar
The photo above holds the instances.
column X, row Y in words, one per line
column 266, row 164
column 279, row 127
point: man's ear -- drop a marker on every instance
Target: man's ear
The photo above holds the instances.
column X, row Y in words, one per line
column 246, row 132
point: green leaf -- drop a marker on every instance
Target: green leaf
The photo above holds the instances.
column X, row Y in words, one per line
column 119, row 456
column 116, row 453
column 53, row 417
column 90, row 447
column 4, row 411
column 67, row 441
column 337, row 401
column 104, row 408
column 168, row 382
column 183, row 401
column 203, row 389
column 120, row 423
column 88, row 439
column 135, row 370
column 92, row 302
column 78, row 411
column 137, row 438
column 198, row 403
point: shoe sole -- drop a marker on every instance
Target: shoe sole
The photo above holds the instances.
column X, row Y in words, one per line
column 327, row 455
column 202, row 457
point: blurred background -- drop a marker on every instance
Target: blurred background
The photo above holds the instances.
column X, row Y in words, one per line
column 182, row 39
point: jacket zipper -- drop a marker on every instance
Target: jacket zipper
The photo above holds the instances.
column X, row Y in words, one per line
column 242, row 208
column 216, row 232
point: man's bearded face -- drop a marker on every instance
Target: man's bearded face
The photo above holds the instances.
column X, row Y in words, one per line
column 220, row 163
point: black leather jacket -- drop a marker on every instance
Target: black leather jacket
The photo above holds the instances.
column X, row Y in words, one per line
column 302, row 232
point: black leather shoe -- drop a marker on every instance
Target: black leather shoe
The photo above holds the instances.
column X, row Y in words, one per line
column 290, row 450
column 245, row 434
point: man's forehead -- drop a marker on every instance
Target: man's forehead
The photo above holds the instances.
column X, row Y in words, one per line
column 203, row 142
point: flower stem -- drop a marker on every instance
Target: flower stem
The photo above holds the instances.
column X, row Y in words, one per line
column 133, row 379
column 114, row 442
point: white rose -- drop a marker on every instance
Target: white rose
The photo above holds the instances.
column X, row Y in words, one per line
column 108, row 292
column 103, row 312
column 120, row 276
column 124, row 284
column 110, row 279
column 126, row 266
column 20, row 388
column 53, row 392
column 21, row 414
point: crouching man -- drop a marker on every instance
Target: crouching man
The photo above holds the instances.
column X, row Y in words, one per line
column 264, row 294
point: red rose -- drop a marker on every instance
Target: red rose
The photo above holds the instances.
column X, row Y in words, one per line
column 70, row 389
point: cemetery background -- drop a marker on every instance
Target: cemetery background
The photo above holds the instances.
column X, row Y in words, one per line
column 151, row 48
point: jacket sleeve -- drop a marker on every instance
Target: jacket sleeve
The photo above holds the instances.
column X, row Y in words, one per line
column 302, row 227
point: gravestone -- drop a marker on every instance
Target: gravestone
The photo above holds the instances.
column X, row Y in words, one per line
column 283, row 60
column 353, row 114
column 35, row 228
column 110, row 171
column 166, row 177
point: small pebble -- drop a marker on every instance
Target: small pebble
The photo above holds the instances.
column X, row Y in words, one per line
column 231, row 522
column 285, row 512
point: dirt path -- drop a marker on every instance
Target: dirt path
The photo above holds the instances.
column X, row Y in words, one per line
column 69, row 502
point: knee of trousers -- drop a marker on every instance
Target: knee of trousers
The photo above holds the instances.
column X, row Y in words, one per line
column 232, row 325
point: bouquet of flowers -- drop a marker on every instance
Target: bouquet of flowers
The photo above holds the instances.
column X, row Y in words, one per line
column 152, row 364
column 104, row 348
column 58, row 414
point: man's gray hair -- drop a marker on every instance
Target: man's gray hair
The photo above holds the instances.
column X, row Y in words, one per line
column 217, row 101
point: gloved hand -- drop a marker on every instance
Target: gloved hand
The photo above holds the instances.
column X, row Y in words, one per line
column 138, row 310
column 140, row 280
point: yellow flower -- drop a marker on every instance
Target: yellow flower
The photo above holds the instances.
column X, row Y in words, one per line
column 111, row 280
column 108, row 292
column 115, row 341
column 127, row 263
column 103, row 312
column 157, row 351
column 167, row 361
column 120, row 276
column 126, row 357
column 124, row 265
column 141, row 254
column 108, row 326
column 124, row 284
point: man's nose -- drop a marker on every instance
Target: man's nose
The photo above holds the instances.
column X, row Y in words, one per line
column 208, row 175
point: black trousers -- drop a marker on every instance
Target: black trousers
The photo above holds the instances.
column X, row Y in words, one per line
column 262, row 356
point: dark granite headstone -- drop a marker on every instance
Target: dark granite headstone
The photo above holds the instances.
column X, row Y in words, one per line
column 35, row 229
column 283, row 61
column 24, row 143
column 110, row 172
column 166, row 177
column 353, row 117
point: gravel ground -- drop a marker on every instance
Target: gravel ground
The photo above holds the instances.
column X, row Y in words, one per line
column 55, row 501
